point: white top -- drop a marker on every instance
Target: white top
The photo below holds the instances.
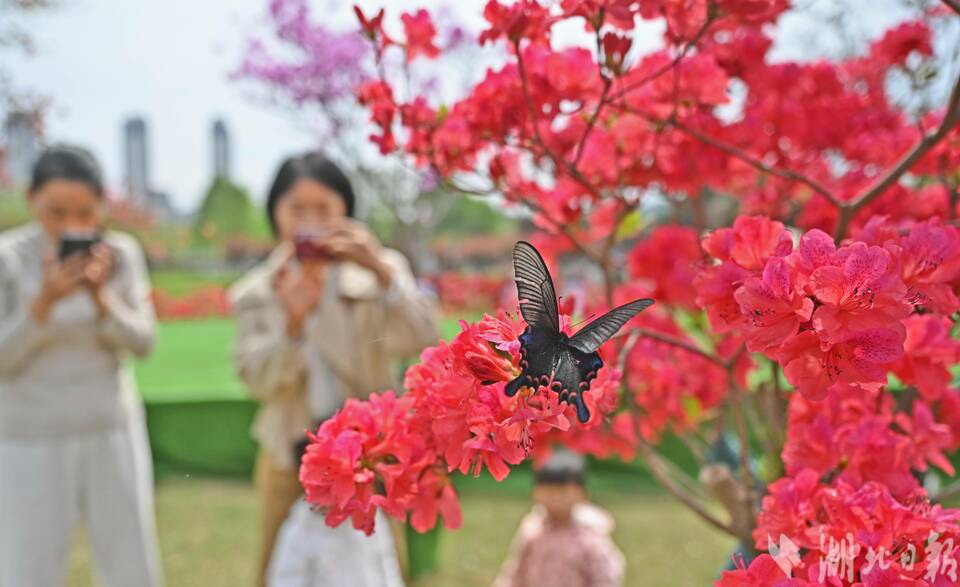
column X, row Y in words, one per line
column 69, row 375
column 308, row 553
column 324, row 391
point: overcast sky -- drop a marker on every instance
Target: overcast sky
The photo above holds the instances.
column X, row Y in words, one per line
column 103, row 60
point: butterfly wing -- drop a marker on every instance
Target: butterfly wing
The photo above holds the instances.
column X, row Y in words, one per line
column 538, row 357
column 572, row 377
column 591, row 336
column 538, row 300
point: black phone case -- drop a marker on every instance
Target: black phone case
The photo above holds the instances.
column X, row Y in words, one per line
column 70, row 245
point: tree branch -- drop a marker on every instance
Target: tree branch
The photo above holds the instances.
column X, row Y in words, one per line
column 668, row 66
column 954, row 4
column 657, row 467
column 561, row 165
column 737, row 152
column 581, row 145
column 736, row 403
column 950, row 119
column 607, row 83
column 682, row 344
column 757, row 164
column 948, row 492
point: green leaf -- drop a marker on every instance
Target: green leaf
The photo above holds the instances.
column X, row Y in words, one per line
column 692, row 408
column 894, row 384
column 630, row 225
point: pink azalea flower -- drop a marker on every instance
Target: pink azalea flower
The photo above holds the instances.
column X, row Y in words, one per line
column 815, row 366
column 863, row 291
column 773, row 306
column 929, row 352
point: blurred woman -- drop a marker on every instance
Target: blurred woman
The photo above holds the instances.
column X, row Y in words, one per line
column 74, row 304
column 322, row 319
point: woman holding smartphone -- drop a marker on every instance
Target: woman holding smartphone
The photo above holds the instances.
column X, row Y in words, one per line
column 322, row 319
column 74, row 304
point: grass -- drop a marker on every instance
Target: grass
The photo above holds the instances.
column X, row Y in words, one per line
column 208, row 535
column 180, row 282
column 13, row 209
column 192, row 361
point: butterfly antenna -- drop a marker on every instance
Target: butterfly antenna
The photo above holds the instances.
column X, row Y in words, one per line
column 587, row 319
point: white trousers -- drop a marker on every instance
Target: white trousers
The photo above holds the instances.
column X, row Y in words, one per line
column 308, row 553
column 46, row 485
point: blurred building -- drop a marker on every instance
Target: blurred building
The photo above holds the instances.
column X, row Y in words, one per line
column 22, row 141
column 136, row 158
column 221, row 149
column 136, row 161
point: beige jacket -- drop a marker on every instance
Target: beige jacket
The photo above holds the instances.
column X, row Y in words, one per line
column 358, row 332
column 69, row 375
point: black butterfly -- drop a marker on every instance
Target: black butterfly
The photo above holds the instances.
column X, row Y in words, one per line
column 567, row 363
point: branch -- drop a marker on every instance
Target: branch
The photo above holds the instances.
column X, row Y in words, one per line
column 607, row 83
column 757, row 163
column 946, row 493
column 560, row 165
column 565, row 229
column 954, row 4
column 682, row 344
column 581, row 145
column 658, row 468
column 736, row 404
column 950, row 118
column 657, row 465
column 673, row 63
column 737, row 152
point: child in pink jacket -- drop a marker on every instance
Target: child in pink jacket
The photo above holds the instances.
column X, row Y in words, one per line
column 565, row 541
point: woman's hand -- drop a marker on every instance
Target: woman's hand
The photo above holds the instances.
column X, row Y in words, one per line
column 97, row 271
column 299, row 292
column 60, row 279
column 350, row 240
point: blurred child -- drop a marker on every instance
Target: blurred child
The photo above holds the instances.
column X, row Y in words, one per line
column 565, row 541
column 309, row 553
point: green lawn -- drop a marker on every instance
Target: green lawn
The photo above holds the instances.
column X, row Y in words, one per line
column 180, row 282
column 192, row 361
column 208, row 537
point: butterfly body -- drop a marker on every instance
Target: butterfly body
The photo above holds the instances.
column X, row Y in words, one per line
column 548, row 359
column 548, row 356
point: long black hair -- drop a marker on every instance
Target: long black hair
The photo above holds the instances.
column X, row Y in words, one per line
column 315, row 166
column 67, row 162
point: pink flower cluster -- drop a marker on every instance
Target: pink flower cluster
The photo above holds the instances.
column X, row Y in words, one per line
column 840, row 321
column 396, row 453
column 835, row 316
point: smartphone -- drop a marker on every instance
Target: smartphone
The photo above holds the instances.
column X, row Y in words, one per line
column 307, row 245
column 72, row 243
